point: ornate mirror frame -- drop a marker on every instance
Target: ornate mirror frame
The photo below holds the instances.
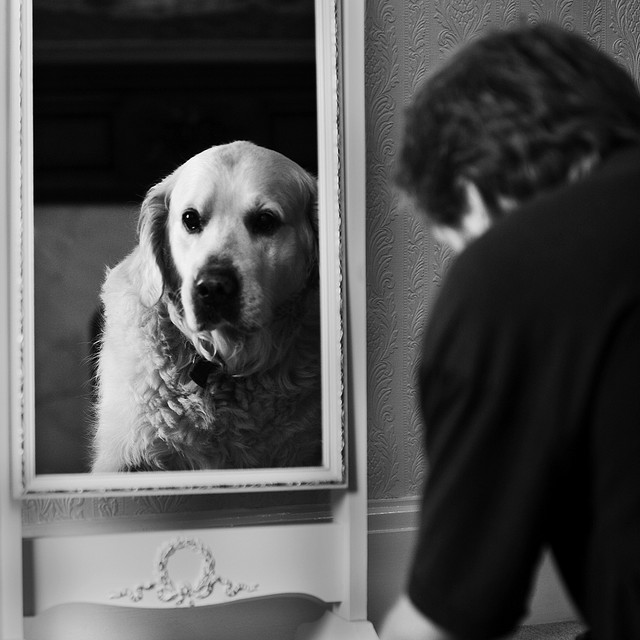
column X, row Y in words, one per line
column 337, row 576
column 332, row 473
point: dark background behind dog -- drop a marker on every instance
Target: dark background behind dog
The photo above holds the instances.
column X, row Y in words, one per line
column 121, row 98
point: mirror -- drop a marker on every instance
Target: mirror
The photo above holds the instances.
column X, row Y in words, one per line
column 130, row 113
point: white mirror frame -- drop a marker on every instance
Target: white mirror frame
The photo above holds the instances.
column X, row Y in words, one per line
column 25, row 481
column 349, row 507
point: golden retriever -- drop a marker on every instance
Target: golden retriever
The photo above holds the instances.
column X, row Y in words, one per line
column 210, row 352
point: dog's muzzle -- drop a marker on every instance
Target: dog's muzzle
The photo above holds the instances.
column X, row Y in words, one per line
column 216, row 295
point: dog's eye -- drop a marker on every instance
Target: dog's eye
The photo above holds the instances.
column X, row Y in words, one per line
column 192, row 221
column 263, row 223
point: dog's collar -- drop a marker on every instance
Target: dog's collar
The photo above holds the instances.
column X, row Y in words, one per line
column 201, row 369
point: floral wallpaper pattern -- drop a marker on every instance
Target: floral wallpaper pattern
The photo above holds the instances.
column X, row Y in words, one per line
column 406, row 39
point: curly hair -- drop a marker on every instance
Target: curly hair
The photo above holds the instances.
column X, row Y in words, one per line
column 514, row 112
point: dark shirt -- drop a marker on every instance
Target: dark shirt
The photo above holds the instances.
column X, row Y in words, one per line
column 530, row 391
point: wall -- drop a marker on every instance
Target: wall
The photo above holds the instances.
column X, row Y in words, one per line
column 406, row 39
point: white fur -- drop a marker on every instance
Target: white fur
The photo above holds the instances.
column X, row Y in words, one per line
column 261, row 405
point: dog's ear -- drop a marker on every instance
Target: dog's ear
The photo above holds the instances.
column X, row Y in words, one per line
column 156, row 265
column 310, row 187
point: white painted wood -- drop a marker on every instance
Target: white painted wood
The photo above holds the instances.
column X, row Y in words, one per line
column 265, row 561
column 21, row 302
column 351, row 507
column 349, row 617
column 180, row 482
column 11, row 627
column 274, row 618
column 330, row 221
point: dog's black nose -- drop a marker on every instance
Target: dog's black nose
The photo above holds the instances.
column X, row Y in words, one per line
column 216, row 295
column 216, row 286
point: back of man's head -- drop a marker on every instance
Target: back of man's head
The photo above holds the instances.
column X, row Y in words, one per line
column 514, row 112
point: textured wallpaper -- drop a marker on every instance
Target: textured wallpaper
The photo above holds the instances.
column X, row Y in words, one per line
column 406, row 39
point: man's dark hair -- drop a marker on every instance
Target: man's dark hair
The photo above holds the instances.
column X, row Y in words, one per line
column 514, row 112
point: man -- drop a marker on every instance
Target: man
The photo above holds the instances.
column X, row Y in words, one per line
column 524, row 151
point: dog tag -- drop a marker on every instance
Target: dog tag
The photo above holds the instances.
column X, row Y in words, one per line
column 200, row 371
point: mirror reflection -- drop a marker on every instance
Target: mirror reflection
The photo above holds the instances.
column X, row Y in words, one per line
column 125, row 93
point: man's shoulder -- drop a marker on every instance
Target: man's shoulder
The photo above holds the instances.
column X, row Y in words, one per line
column 559, row 232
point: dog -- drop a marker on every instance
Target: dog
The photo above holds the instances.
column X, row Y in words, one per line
column 209, row 356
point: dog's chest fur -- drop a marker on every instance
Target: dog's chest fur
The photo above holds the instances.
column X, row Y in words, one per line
column 265, row 419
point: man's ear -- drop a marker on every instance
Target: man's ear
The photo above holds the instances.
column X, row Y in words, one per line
column 475, row 221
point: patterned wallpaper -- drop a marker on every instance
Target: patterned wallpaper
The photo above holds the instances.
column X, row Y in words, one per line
column 405, row 40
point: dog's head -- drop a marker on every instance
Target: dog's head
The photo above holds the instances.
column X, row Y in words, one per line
column 232, row 235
